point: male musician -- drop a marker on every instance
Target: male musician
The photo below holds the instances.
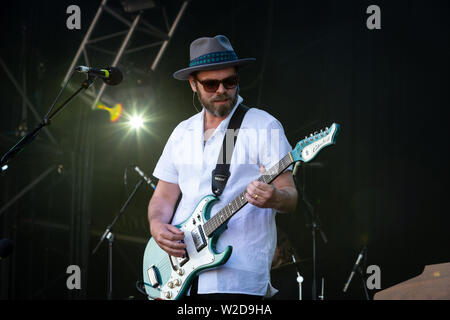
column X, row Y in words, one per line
column 186, row 164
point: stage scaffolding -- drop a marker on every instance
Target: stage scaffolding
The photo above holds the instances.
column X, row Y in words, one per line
column 82, row 157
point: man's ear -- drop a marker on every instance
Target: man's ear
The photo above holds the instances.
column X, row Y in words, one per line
column 192, row 83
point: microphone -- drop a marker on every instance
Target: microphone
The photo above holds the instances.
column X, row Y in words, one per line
column 6, row 248
column 355, row 267
column 147, row 179
column 111, row 75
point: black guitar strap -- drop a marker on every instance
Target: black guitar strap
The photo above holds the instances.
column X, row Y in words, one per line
column 221, row 173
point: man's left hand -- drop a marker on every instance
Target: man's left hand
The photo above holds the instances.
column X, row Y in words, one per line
column 261, row 194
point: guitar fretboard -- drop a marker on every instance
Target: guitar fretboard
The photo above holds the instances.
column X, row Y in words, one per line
column 237, row 203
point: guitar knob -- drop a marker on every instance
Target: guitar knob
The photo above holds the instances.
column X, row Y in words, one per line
column 180, row 271
column 177, row 282
column 168, row 295
column 170, row 284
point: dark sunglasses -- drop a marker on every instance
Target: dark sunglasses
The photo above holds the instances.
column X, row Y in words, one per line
column 212, row 85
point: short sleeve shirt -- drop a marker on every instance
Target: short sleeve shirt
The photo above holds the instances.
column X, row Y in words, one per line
column 188, row 161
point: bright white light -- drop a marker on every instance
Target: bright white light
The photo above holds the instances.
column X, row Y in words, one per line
column 136, row 122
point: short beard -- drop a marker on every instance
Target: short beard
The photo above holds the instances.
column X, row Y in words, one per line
column 220, row 111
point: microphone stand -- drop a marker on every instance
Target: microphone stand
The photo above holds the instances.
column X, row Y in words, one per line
column 299, row 278
column 30, row 136
column 110, row 236
column 363, row 278
column 315, row 226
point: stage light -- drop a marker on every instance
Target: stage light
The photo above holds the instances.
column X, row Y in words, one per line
column 114, row 112
column 136, row 122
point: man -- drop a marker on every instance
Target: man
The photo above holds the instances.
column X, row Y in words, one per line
column 185, row 168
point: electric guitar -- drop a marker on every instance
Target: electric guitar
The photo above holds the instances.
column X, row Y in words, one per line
column 167, row 277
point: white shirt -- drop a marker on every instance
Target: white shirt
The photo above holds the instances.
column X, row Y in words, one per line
column 188, row 162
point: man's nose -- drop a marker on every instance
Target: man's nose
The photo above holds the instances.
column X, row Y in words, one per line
column 221, row 88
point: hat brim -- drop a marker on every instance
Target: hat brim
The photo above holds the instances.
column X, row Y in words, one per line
column 183, row 74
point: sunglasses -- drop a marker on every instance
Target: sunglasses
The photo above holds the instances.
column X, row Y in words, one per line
column 212, row 85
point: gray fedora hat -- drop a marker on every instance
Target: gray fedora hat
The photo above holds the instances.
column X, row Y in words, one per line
column 210, row 54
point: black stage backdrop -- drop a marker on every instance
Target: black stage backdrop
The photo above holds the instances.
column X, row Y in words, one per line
column 383, row 185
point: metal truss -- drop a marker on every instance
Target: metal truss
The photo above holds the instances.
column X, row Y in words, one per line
column 161, row 40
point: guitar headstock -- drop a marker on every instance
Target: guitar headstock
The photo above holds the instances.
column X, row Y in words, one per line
column 306, row 149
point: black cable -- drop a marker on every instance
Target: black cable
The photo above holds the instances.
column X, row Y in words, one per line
column 125, row 179
column 57, row 97
column 140, row 288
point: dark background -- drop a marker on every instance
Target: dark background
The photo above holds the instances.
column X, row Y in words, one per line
column 383, row 185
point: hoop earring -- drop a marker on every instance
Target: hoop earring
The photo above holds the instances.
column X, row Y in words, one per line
column 193, row 101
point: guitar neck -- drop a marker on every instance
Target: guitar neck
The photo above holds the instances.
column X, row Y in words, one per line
column 221, row 217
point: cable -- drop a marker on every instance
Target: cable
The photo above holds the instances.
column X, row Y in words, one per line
column 125, row 179
column 193, row 101
column 57, row 97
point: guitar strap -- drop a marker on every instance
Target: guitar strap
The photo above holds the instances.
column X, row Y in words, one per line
column 221, row 173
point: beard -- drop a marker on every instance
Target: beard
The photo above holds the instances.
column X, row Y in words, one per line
column 218, row 110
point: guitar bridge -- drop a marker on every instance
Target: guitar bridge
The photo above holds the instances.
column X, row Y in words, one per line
column 199, row 238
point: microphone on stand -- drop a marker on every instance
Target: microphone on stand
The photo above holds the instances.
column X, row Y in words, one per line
column 355, row 267
column 111, row 75
column 144, row 176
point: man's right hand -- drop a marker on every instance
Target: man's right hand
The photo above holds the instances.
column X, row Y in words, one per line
column 168, row 237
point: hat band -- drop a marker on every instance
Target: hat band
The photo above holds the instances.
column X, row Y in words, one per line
column 214, row 57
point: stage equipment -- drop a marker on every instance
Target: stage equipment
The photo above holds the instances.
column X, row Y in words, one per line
column 145, row 177
column 30, row 136
column 110, row 75
column 299, row 279
column 322, row 296
column 136, row 10
column 136, row 122
column 137, row 5
column 314, row 222
column 357, row 267
column 115, row 112
column 110, row 236
column 432, row 284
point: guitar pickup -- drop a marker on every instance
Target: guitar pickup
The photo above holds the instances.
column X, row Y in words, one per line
column 153, row 276
column 199, row 238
